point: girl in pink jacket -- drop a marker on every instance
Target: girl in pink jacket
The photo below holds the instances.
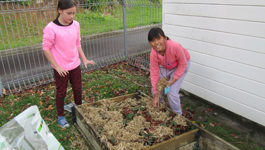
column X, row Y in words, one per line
column 62, row 47
column 167, row 59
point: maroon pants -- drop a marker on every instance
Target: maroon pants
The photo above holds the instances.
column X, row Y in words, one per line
column 61, row 86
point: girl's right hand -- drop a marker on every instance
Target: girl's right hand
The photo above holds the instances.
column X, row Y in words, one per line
column 156, row 102
column 61, row 71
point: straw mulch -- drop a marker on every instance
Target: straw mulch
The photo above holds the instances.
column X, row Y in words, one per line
column 161, row 85
column 133, row 124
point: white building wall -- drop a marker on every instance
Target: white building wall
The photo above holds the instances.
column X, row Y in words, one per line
column 226, row 41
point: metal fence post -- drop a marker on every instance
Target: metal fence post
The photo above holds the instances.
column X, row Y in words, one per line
column 1, row 87
column 124, row 27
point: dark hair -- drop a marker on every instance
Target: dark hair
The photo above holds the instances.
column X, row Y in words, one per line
column 65, row 4
column 154, row 33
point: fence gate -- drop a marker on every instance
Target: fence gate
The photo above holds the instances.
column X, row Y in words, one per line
column 111, row 31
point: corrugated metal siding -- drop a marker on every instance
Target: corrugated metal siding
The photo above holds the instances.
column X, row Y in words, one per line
column 226, row 41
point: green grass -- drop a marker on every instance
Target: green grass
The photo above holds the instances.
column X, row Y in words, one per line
column 98, row 84
column 107, row 82
column 26, row 28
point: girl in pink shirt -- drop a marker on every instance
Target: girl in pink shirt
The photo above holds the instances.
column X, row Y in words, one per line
column 167, row 59
column 62, row 47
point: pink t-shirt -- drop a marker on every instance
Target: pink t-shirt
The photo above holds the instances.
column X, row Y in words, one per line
column 175, row 56
column 62, row 41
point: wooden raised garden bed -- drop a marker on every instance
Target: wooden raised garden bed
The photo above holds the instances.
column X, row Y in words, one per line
column 167, row 130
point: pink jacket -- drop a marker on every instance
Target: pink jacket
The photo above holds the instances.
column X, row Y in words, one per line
column 63, row 41
column 175, row 56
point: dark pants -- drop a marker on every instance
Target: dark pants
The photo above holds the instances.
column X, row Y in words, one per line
column 61, row 86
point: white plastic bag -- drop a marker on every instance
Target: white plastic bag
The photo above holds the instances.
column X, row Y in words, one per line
column 28, row 131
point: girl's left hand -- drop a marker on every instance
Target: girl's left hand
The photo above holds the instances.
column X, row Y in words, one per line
column 86, row 62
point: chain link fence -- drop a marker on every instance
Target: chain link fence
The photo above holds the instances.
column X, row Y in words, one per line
column 111, row 31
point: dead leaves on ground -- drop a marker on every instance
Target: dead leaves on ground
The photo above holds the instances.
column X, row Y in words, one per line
column 209, row 109
column 234, row 135
column 47, row 100
column 50, row 107
column 46, row 118
column 188, row 112
column 203, row 120
column 9, row 117
column 62, row 129
column 211, row 124
column 88, row 100
column 217, row 124
column 238, row 142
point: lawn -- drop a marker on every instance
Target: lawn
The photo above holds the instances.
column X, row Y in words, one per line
column 107, row 82
column 24, row 26
column 111, row 81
